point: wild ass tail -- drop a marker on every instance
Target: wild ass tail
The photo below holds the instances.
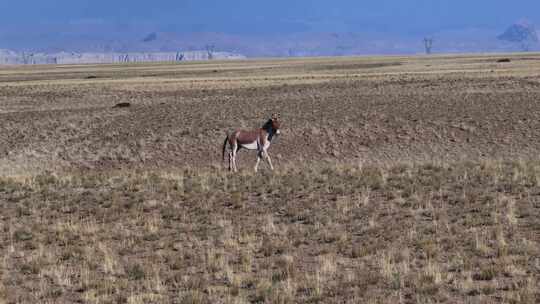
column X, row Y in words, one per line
column 225, row 146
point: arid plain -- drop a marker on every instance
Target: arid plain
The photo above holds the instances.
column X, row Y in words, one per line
column 398, row 180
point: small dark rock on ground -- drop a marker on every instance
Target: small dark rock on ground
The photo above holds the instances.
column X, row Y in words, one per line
column 122, row 105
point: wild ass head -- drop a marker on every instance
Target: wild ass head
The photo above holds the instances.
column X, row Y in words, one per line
column 272, row 125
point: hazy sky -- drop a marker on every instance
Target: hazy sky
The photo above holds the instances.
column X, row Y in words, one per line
column 278, row 16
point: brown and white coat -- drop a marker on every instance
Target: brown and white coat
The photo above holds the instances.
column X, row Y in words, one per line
column 258, row 140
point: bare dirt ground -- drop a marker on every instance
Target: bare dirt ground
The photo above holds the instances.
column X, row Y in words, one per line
column 347, row 110
column 399, row 180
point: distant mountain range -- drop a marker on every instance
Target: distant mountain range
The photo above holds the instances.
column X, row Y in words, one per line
column 522, row 33
column 99, row 44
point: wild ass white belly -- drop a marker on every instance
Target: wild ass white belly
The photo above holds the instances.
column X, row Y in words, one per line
column 255, row 146
column 250, row 146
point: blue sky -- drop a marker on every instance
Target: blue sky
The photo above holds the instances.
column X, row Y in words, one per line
column 276, row 16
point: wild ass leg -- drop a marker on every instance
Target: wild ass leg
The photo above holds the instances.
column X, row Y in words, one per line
column 230, row 161
column 265, row 153
column 259, row 156
column 234, row 150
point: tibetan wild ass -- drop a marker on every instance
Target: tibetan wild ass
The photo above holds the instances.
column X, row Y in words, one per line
column 259, row 140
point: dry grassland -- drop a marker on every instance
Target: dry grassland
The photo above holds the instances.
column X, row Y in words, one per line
column 399, row 180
